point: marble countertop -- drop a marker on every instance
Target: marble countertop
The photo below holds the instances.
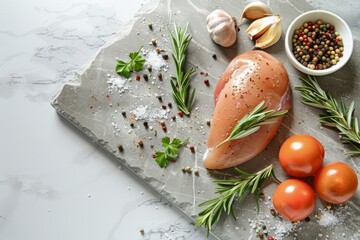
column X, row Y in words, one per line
column 54, row 183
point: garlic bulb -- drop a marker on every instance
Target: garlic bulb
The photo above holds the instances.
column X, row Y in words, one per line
column 255, row 11
column 221, row 27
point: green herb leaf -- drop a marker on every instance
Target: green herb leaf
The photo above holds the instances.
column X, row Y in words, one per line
column 335, row 114
column 181, row 83
column 136, row 63
column 231, row 191
column 252, row 121
column 162, row 159
column 170, row 151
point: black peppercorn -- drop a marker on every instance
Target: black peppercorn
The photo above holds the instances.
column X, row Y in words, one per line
column 121, row 148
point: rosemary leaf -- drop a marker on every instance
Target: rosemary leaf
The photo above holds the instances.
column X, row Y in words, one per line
column 181, row 83
column 335, row 114
column 230, row 191
column 252, row 121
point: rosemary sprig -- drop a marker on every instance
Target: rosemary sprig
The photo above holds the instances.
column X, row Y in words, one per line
column 230, row 191
column 252, row 122
column 181, row 83
column 336, row 114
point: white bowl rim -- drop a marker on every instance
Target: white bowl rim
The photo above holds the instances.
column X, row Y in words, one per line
column 318, row 72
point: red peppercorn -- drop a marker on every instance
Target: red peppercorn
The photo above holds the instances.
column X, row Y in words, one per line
column 205, row 74
column 163, row 107
column 201, row 73
column 180, row 113
column 207, row 83
column 310, row 23
column 331, row 27
column 137, row 78
column 192, row 148
column 164, row 128
column 153, row 156
column 309, row 27
column 270, row 238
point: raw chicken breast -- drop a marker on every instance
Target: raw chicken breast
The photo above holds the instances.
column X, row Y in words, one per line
column 249, row 79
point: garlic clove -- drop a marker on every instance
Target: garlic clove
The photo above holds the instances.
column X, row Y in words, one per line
column 259, row 26
column 255, row 11
column 270, row 37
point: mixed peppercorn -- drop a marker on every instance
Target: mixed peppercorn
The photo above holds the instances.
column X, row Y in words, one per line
column 317, row 45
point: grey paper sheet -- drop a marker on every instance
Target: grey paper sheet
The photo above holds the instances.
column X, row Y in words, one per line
column 94, row 105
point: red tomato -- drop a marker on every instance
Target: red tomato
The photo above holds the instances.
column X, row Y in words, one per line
column 294, row 199
column 336, row 182
column 301, row 155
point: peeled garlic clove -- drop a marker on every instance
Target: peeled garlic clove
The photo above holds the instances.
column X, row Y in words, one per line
column 259, row 26
column 255, row 11
column 270, row 37
column 221, row 27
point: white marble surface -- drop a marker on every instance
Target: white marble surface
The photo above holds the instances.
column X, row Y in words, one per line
column 55, row 184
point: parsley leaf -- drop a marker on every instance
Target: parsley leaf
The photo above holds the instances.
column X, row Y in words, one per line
column 170, row 151
column 136, row 63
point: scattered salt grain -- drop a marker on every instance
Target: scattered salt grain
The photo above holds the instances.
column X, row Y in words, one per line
column 283, row 229
column 331, row 218
column 117, row 84
column 145, row 113
column 155, row 60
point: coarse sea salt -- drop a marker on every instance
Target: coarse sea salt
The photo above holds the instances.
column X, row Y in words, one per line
column 145, row 113
column 283, row 228
column 156, row 60
column 117, row 84
column 332, row 217
column 328, row 219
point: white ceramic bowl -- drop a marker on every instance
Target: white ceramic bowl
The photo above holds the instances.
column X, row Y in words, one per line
column 340, row 26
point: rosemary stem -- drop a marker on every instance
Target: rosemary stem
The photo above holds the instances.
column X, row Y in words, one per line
column 226, row 140
column 275, row 178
